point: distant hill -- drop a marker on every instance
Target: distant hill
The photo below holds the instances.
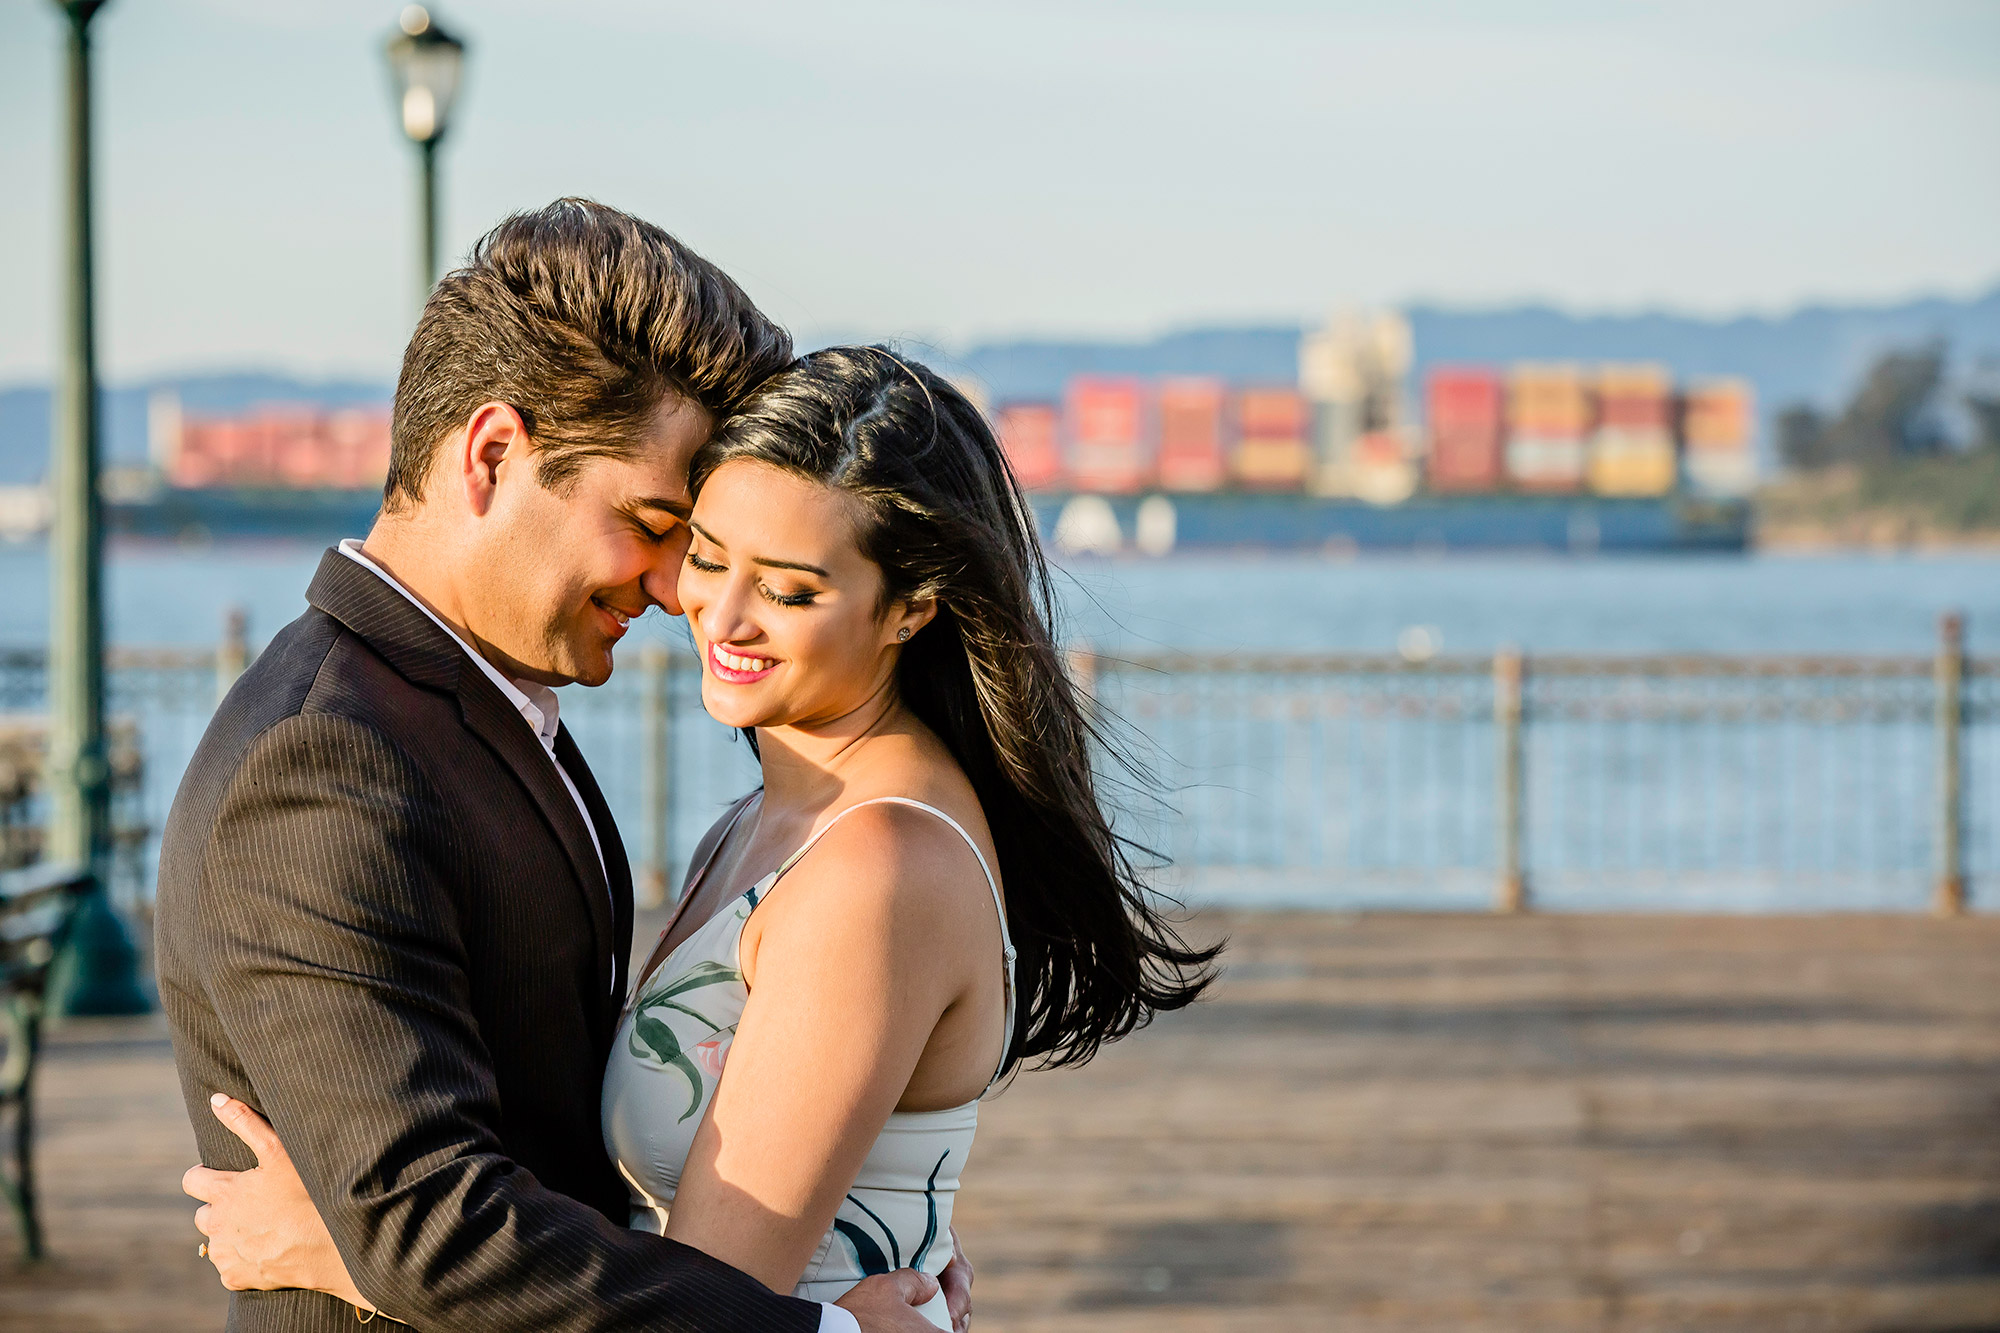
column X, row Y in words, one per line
column 1814, row 354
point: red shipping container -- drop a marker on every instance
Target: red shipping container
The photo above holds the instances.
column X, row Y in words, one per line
column 1031, row 436
column 192, row 467
column 1637, row 397
column 363, row 439
column 1192, row 455
column 298, row 448
column 238, row 448
column 259, row 464
column 1464, row 407
column 1107, row 433
column 1272, row 414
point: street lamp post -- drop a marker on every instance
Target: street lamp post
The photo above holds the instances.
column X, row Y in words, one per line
column 102, row 973
column 425, row 63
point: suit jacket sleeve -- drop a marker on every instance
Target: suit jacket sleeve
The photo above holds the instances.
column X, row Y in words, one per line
column 340, row 981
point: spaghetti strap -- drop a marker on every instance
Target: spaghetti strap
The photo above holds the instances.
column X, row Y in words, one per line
column 1007, row 952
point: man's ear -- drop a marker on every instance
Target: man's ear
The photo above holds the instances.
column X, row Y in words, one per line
column 493, row 448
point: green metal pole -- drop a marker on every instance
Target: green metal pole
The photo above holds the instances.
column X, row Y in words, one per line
column 1948, row 898
column 103, row 976
column 79, row 774
column 1509, row 671
column 427, row 207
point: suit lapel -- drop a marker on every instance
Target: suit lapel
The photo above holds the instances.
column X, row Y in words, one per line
column 408, row 640
column 615, row 863
column 501, row 726
column 425, row 655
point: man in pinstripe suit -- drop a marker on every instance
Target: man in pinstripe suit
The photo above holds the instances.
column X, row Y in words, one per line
column 394, row 914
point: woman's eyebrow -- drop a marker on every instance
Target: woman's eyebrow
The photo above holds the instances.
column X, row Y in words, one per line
column 790, row 564
column 761, row 560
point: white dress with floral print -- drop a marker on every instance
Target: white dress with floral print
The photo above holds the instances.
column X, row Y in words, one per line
column 670, row 1052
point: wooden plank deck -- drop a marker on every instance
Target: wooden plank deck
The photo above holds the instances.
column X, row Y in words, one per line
column 1379, row 1123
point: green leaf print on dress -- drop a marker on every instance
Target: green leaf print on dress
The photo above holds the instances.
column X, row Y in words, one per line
column 654, row 1039
column 868, row 1255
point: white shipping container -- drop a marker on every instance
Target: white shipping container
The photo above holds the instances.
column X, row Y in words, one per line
column 1724, row 473
column 1546, row 462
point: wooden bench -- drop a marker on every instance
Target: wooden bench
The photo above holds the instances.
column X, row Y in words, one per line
column 37, row 908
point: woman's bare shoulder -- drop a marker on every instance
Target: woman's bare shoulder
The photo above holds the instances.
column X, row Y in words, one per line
column 891, row 873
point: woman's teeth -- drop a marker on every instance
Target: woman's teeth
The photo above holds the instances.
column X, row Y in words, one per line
column 735, row 663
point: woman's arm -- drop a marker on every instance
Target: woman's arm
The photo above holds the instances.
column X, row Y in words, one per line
column 853, row 962
column 853, row 959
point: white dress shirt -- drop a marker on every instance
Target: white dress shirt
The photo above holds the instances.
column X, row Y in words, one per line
column 538, row 707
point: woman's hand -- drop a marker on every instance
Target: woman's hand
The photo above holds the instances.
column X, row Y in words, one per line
column 263, row 1232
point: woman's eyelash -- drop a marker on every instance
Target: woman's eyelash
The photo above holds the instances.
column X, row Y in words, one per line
column 779, row 598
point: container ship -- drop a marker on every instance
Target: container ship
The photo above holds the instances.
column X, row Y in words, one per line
column 1549, row 457
column 1534, row 456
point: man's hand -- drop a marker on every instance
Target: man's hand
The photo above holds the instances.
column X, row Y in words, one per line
column 957, row 1283
column 887, row 1302
column 263, row 1231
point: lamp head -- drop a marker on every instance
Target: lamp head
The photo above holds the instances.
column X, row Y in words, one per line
column 424, row 64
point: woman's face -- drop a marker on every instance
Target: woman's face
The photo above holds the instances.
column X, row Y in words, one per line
column 786, row 611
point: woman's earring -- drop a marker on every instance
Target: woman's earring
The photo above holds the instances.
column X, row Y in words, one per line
column 903, row 634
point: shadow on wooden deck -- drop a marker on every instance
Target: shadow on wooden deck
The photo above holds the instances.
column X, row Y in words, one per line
column 1378, row 1123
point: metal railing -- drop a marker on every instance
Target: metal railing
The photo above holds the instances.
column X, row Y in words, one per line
column 1354, row 781
column 1699, row 782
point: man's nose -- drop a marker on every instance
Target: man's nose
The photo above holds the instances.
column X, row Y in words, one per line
column 661, row 581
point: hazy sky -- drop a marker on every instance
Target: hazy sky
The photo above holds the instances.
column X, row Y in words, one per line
column 933, row 168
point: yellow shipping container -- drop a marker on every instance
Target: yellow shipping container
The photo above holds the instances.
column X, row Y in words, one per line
column 1548, row 400
column 1632, row 462
column 1274, row 464
column 1640, row 379
column 1720, row 415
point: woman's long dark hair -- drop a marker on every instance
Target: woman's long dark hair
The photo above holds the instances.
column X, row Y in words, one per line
column 946, row 519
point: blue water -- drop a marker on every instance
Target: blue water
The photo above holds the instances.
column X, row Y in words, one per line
column 1293, row 792
column 161, row 594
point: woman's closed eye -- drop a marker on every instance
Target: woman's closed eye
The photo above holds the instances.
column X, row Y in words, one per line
column 802, row 597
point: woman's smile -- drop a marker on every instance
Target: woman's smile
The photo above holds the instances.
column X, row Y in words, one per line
column 738, row 668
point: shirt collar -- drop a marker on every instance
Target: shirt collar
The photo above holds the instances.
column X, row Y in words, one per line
column 535, row 701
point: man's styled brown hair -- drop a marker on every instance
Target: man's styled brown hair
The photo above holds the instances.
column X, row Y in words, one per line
column 583, row 319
